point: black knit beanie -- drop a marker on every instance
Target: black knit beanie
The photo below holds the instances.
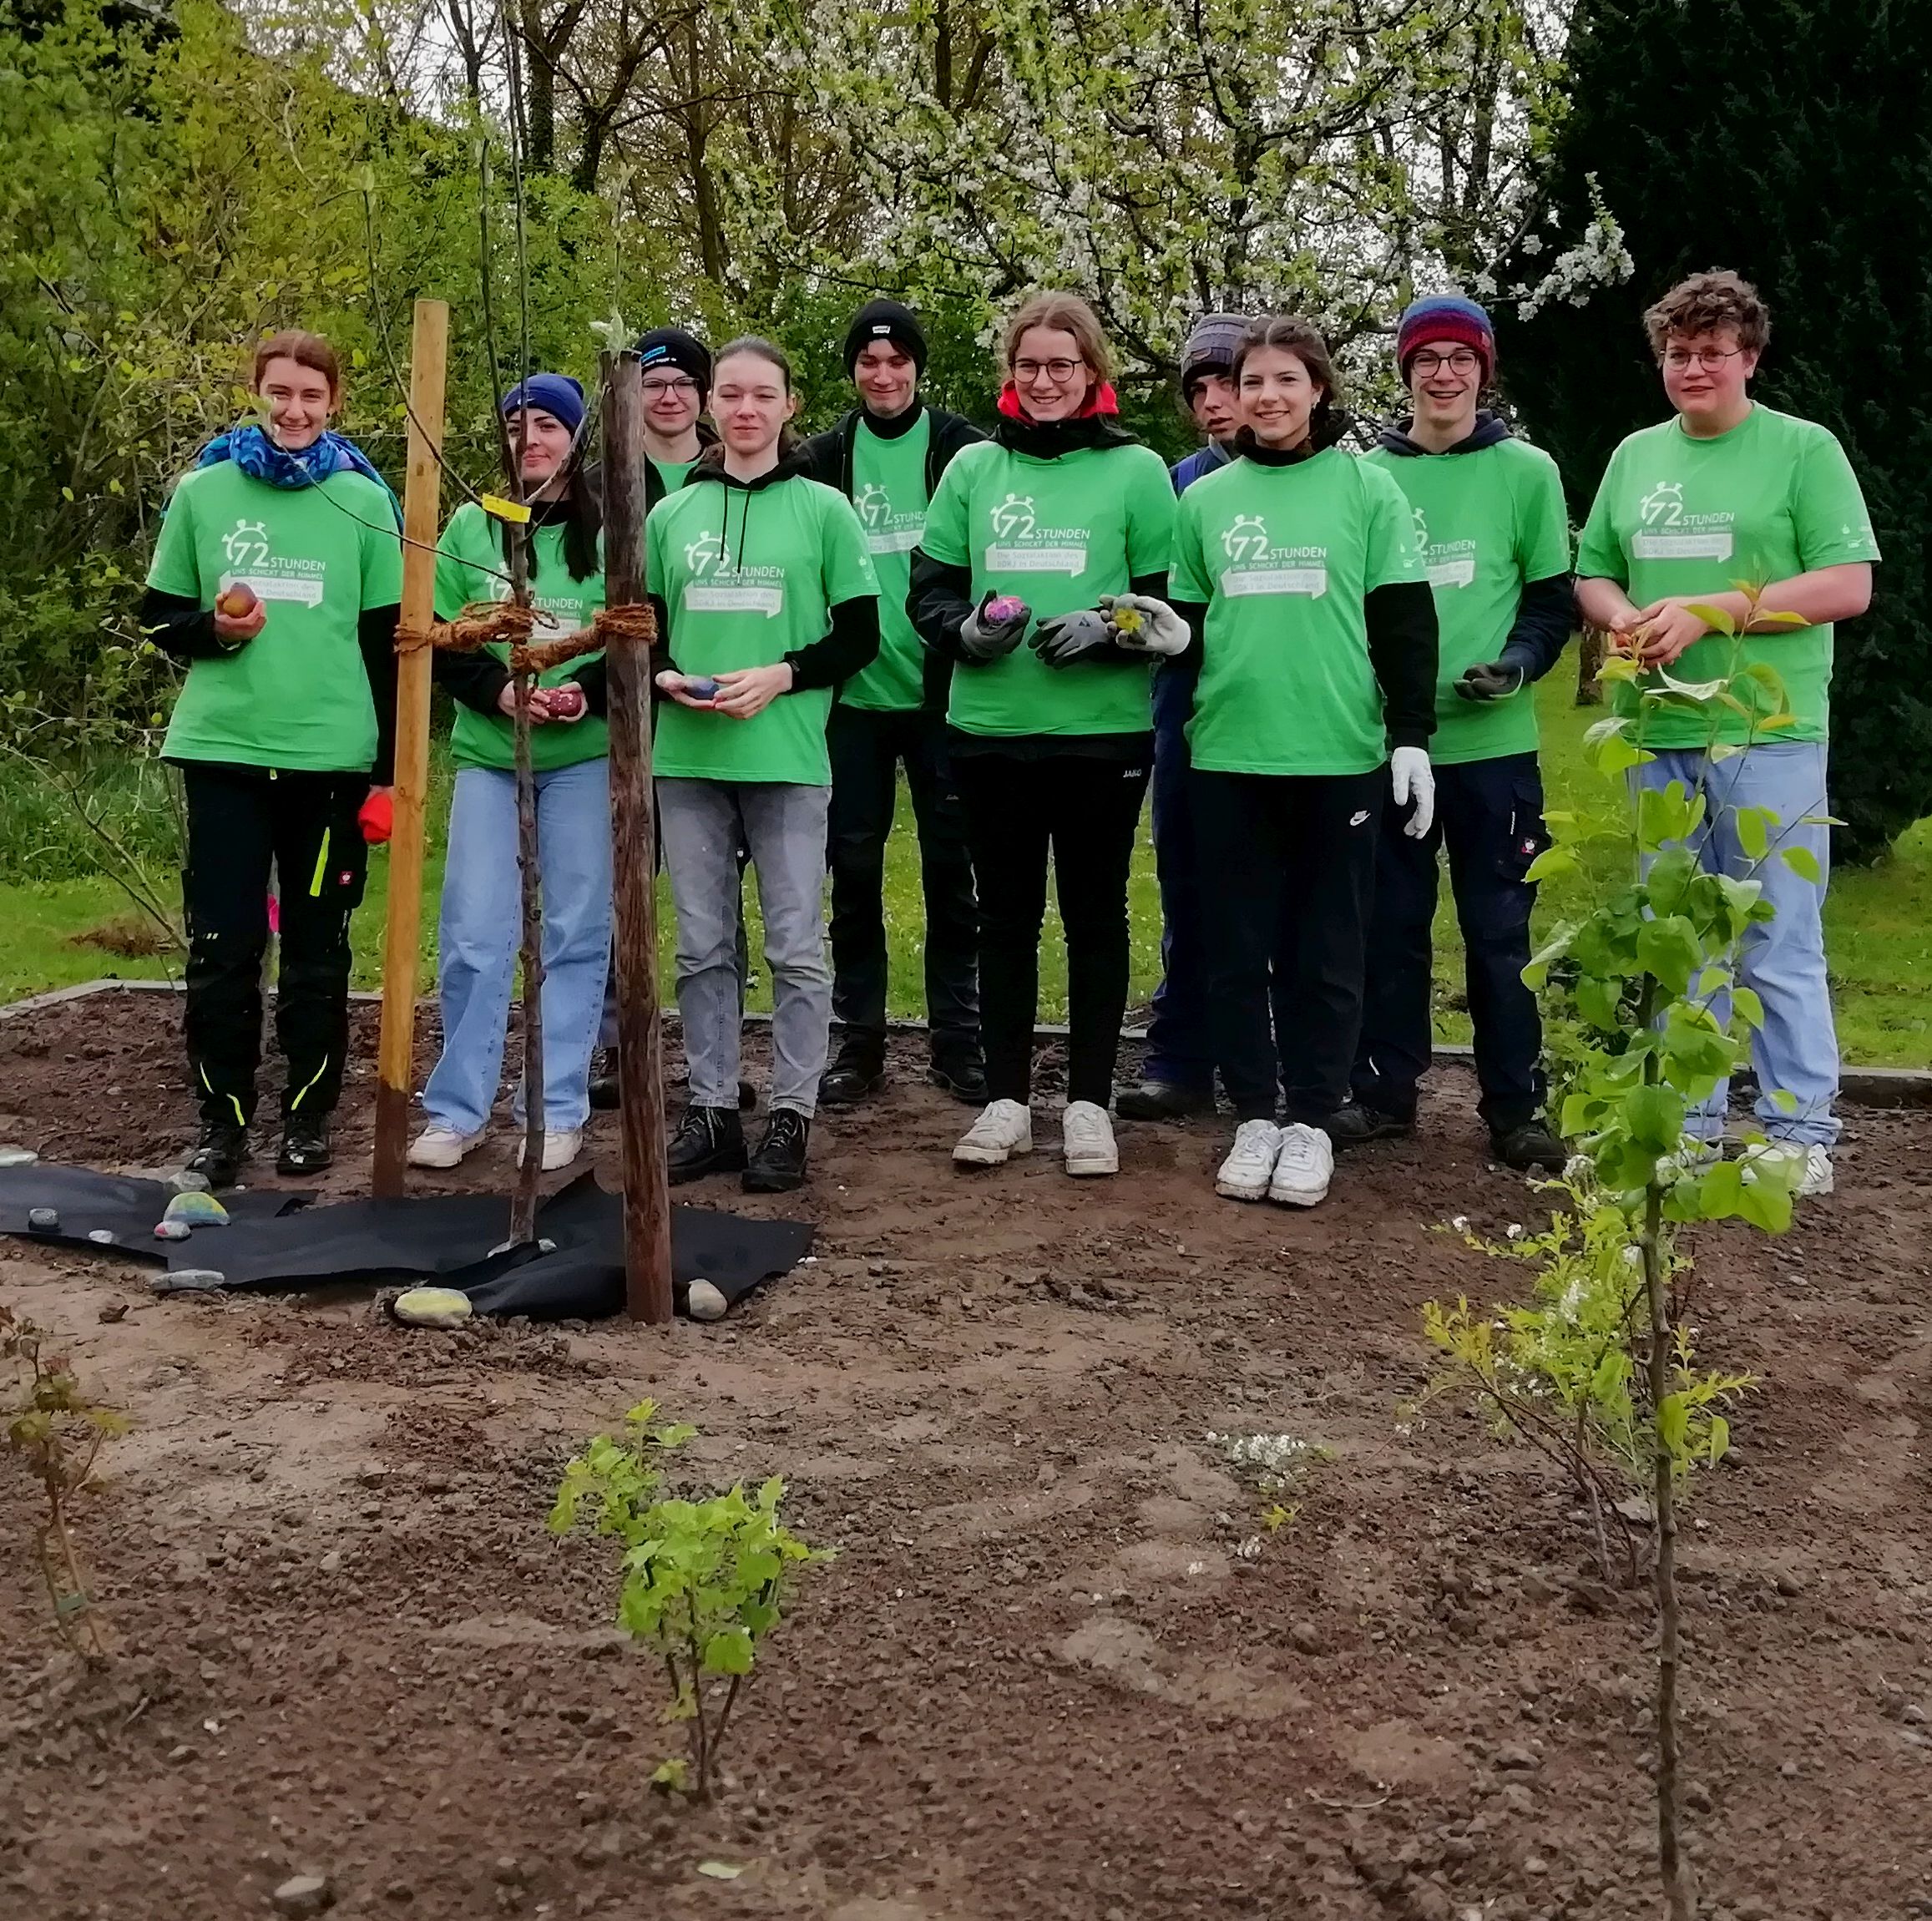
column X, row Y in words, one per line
column 672, row 347
column 885, row 320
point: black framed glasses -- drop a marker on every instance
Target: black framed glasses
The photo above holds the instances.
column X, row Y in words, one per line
column 1058, row 371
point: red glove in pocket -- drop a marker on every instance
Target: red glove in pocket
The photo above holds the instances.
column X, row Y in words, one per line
column 377, row 818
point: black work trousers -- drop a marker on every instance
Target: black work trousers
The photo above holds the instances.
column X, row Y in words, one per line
column 1489, row 816
column 868, row 749
column 240, row 820
column 1287, row 865
column 1082, row 812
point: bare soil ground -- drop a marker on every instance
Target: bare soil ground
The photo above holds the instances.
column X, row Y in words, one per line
column 1041, row 1680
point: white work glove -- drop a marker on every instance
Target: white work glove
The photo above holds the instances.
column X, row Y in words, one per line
column 1411, row 779
column 1150, row 626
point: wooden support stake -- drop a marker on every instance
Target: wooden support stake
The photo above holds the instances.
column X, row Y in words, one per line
column 429, row 356
column 647, row 1292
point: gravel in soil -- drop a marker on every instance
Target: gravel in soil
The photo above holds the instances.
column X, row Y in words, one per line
column 1059, row 1668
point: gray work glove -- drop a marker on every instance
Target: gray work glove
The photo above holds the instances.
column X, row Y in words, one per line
column 1071, row 637
column 1144, row 625
column 1490, row 681
column 982, row 638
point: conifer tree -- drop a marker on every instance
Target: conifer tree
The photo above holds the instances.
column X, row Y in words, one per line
column 1783, row 139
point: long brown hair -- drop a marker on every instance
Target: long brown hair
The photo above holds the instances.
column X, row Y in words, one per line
column 1326, row 422
column 761, row 349
column 308, row 350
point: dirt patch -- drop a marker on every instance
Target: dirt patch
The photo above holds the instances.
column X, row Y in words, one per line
column 1048, row 1675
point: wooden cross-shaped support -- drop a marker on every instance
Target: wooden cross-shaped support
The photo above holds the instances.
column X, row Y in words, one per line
column 634, row 852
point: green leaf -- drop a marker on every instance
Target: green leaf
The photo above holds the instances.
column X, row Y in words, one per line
column 1754, row 826
column 1715, row 618
column 1747, row 1006
column 1802, row 862
column 1551, row 864
column 1668, row 948
column 729, row 1652
column 1655, row 1117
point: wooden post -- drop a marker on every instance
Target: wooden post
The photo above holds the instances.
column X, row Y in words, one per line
column 429, row 356
column 647, row 1292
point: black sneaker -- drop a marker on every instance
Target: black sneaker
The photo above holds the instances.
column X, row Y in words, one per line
column 857, row 1070
column 304, row 1144
column 708, row 1140
column 220, row 1152
column 604, row 1080
column 779, row 1164
column 1162, row 1100
column 1531, row 1146
column 962, row 1074
column 1351, row 1125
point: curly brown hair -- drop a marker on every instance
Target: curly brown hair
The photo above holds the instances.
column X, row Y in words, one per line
column 1706, row 303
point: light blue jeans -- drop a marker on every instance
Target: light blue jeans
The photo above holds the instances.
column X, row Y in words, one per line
column 1796, row 1051
column 703, row 824
column 480, row 928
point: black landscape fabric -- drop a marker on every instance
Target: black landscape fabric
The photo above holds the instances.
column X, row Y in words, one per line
column 279, row 1240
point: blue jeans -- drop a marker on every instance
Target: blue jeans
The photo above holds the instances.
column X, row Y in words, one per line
column 480, row 928
column 1796, row 1051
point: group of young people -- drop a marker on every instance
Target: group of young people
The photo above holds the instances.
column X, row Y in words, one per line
column 1321, row 661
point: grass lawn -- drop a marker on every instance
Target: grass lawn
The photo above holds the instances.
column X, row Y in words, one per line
column 1878, row 921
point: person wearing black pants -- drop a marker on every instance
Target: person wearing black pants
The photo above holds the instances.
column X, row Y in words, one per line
column 1056, row 531
column 1298, row 576
column 276, row 579
column 1086, row 812
column 1289, row 864
column 886, row 456
column 240, row 820
column 1492, row 512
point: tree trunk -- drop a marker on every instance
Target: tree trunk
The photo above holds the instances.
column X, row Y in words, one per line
column 1589, row 663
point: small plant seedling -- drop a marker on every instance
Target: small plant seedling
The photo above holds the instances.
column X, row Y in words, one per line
column 703, row 1582
column 57, row 1432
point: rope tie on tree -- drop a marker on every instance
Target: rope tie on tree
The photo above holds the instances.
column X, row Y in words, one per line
column 632, row 625
column 479, row 625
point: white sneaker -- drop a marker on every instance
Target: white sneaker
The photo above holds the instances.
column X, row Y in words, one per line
column 1811, row 1161
column 441, row 1147
column 1249, row 1165
column 1003, row 1129
column 1087, row 1139
column 1303, row 1168
column 560, row 1148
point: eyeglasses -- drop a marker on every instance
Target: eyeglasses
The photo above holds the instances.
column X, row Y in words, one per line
column 1457, row 360
column 1058, row 371
column 656, row 389
column 1710, row 358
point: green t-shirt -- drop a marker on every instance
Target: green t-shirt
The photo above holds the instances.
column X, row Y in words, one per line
column 747, row 576
column 1059, row 534
column 470, row 566
column 1283, row 557
column 297, row 695
column 888, row 493
column 1488, row 521
column 674, row 473
column 1773, row 499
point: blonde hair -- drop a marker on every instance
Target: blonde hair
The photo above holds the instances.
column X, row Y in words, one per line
column 1065, row 313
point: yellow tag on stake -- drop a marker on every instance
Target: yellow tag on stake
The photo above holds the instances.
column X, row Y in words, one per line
column 505, row 509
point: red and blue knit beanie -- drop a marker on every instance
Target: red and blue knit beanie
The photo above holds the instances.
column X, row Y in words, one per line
column 1445, row 317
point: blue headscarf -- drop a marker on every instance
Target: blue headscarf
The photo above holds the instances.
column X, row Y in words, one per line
column 259, row 459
